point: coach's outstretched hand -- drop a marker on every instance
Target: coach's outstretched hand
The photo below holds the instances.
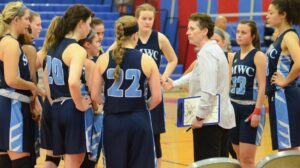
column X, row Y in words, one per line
column 167, row 84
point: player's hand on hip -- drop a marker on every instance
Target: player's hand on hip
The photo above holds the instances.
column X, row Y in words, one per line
column 278, row 79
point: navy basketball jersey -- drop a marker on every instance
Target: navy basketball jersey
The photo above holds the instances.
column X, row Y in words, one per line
column 243, row 82
column 101, row 51
column 128, row 93
column 226, row 55
column 23, row 69
column 58, row 71
column 94, row 58
column 151, row 48
column 273, row 54
column 84, row 87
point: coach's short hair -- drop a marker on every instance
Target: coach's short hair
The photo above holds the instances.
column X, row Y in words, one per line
column 204, row 21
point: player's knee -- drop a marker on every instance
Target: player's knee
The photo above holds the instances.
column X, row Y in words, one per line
column 247, row 160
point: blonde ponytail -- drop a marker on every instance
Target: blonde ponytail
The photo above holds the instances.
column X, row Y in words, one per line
column 10, row 11
column 3, row 25
column 118, row 53
column 126, row 26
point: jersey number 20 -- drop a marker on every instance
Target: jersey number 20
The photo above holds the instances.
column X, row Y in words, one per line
column 54, row 67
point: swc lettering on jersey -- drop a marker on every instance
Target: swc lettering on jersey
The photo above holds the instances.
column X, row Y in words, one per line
column 243, row 69
column 25, row 61
column 152, row 53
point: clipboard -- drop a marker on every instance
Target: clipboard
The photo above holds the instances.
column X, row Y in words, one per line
column 187, row 109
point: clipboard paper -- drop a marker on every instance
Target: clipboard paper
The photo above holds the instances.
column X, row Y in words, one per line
column 188, row 107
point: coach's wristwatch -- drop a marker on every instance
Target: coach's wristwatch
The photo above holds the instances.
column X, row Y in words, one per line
column 199, row 119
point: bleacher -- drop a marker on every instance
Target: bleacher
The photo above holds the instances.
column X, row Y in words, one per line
column 243, row 11
column 103, row 9
column 50, row 8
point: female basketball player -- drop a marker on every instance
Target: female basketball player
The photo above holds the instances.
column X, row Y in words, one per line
column 124, row 71
column 17, row 126
column 247, row 92
column 64, row 64
column 35, row 24
column 46, row 125
column 91, row 44
column 282, row 72
column 155, row 44
column 98, row 26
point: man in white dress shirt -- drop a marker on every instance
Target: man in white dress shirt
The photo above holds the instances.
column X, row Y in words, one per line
column 209, row 77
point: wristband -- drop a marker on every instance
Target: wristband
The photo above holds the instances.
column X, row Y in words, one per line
column 256, row 111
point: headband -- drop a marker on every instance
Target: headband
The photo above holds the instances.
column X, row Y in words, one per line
column 21, row 11
column 220, row 33
column 91, row 35
column 131, row 30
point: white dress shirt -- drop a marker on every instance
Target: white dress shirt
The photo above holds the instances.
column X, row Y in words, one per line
column 209, row 77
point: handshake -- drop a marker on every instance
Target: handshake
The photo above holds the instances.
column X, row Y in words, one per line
column 167, row 83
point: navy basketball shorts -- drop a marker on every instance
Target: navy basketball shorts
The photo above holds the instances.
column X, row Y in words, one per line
column 46, row 126
column 69, row 132
column 17, row 129
column 284, row 107
column 158, row 117
column 243, row 132
column 158, row 125
column 128, row 140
